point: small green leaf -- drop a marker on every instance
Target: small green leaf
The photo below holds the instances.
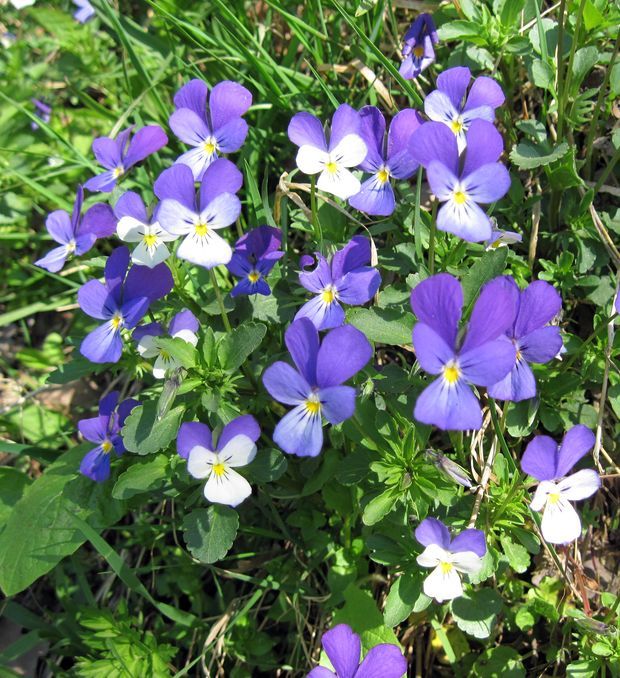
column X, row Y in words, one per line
column 490, row 265
column 385, row 326
column 179, row 349
column 380, row 506
column 527, row 155
column 499, row 662
column 268, row 465
column 543, row 74
column 405, row 597
column 209, row 533
column 475, row 612
column 235, row 347
column 144, row 476
column 518, row 557
column 144, row 433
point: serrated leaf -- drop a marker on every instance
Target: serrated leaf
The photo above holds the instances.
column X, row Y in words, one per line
column 235, row 347
column 209, row 533
column 518, row 557
column 143, row 476
column 527, row 155
column 490, row 265
column 475, row 612
column 144, row 433
column 382, row 325
column 268, row 465
column 405, row 597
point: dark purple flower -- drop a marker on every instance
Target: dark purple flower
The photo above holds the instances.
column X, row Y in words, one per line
column 76, row 235
column 211, row 122
column 256, row 253
column 483, row 356
column 315, row 387
column 451, row 105
column 42, row 111
column 121, row 301
column 198, row 218
column 85, row 11
column 346, row 278
column 343, row 648
column 105, row 430
column 386, row 158
column 418, row 49
column 462, row 184
column 119, row 155
column 534, row 342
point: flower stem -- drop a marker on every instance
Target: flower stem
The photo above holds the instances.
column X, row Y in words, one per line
column 316, row 226
column 220, row 301
column 431, row 242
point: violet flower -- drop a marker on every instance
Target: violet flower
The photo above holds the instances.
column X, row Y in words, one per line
column 75, row 234
column 121, row 301
column 534, row 341
column 451, row 105
column 462, row 184
column 345, row 278
column 315, row 386
column 343, row 648
column 105, row 430
column 500, row 238
column 198, row 218
column 386, row 158
column 43, row 111
column 331, row 161
column 119, row 155
column 549, row 463
column 256, row 253
column 418, row 52
column 211, row 122
column 482, row 356
column 85, row 11
column 448, row 557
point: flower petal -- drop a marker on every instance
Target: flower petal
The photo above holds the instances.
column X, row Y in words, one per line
column 487, row 364
column 285, row 384
column 580, row 485
column 431, row 350
column 488, row 183
column 484, row 92
column 209, row 251
column 102, row 345
column 193, row 434
column 438, row 302
column 433, row 531
column 96, row 465
column 104, row 182
column 345, row 122
column 145, row 142
column 439, row 107
column 541, row 346
column 375, row 198
column 230, row 489
column 222, row 177
column 355, row 254
column 230, row 137
column 324, row 315
column 228, row 100
column 176, row 183
column 484, row 145
column 359, row 286
column 343, row 648
column 467, row 562
column 54, row 260
column 150, row 256
column 403, row 125
column 469, row 540
column 519, row 384
column 108, row 152
column 383, row 661
column 311, row 159
column 319, row 278
column 337, row 403
column 302, row 341
column 238, row 451
column 175, row 218
column 95, row 300
column 454, row 82
column 189, row 127
column 306, row 130
column 560, row 522
column 350, row 151
column 200, row 462
column 59, row 226
column 94, row 429
column 539, row 458
column 539, row 303
column 467, row 221
column 343, row 353
column 222, row 211
column 198, row 160
column 450, row 407
column 299, row 432
column 193, row 95
column 152, row 283
column 372, row 131
column 434, row 142
column 442, row 585
column 244, row 425
column 577, row 442
column 342, row 183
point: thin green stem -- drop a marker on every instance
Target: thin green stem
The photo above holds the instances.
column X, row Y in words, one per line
column 417, row 222
column 563, row 99
column 220, row 301
column 560, row 85
column 316, row 225
column 431, row 241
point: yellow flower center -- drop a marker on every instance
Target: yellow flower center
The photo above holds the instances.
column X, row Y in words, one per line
column 165, row 356
column 118, row 171
column 150, row 239
column 446, row 567
column 117, row 321
column 313, row 405
column 519, row 355
column 209, row 146
column 201, row 230
column 418, row 51
column 451, row 373
column 106, row 446
column 456, row 125
column 71, row 246
column 383, row 175
column 219, row 469
column 331, row 167
column 328, row 294
column 253, row 276
column 553, row 498
column 459, row 197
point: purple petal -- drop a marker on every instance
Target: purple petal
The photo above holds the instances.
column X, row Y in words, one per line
column 115, row 270
column 108, row 403
column 285, row 384
column 244, row 425
column 240, row 265
column 469, row 540
column 299, row 432
column 54, row 260
column 133, row 310
column 302, row 342
column 343, row 353
column 576, row 443
column 402, row 165
column 487, row 363
column 318, row 279
column 102, row 345
column 343, row 648
column 130, row 204
column 99, row 221
column 104, row 182
column 305, row 128
column 355, row 254
column 346, row 120
column 193, row 434
column 96, row 301
column 125, row 409
column 484, row 92
column 321, row 672
column 189, row 127
column 95, row 429
column 403, row 125
column 372, row 131
column 59, row 226
column 222, row 176
column 519, row 384
column 468, row 221
column 484, row 146
column 383, row 661
column 184, row 320
column 108, row 152
column 433, row 531
column 541, row 346
column 359, row 286
column 454, row 82
column 434, row 142
column 96, row 465
column 260, row 241
column 230, row 137
column 431, row 350
column 539, row 458
column 228, row 100
column 439, row 108
column 145, row 142
column 323, row 315
column 148, row 330
column 153, row 283
column 451, row 407
column 193, row 95
column 488, row 183
column 176, row 183
column 442, row 182
column 375, row 197
column 539, row 303
column 245, row 286
column 77, row 207
column 84, row 242
column 438, row 302
column 337, row 403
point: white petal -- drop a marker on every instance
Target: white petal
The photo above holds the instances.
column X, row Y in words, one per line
column 157, row 230
column 440, row 108
column 208, row 251
column 350, row 152
column 146, row 346
column 580, row 485
column 341, row 183
column 162, row 366
column 311, row 159
column 432, row 555
column 200, row 461
column 130, row 229
column 467, row 562
column 230, row 488
column 442, row 585
column 186, row 335
column 560, row 522
column 144, row 255
column 540, row 496
column 239, row 451
column 175, row 218
column 222, row 211
column 196, row 159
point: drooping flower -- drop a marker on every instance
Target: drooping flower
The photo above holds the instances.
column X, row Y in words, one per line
column 500, row 238
column 235, row 447
column 76, row 234
column 211, row 122
column 534, row 340
column 550, row 463
column 448, row 556
column 121, row 301
column 483, row 356
column 256, row 253
column 119, row 155
column 85, row 11
column 183, row 325
column 418, row 52
column 347, row 278
column 43, row 111
column 343, row 648
column 386, row 158
column 315, row 387
column 105, row 430
column 331, row 161
column 134, row 225
column 462, row 185
column 451, row 105
column 198, row 218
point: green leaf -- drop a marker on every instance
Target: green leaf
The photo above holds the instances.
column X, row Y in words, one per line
column 518, row 557
column 143, row 476
column 144, row 433
column 385, row 326
column 268, row 465
column 527, row 155
column 585, row 59
column 405, row 597
column 13, row 484
column 459, row 30
column 235, row 347
column 209, row 533
column 489, row 266
column 543, row 74
column 475, row 612
column 179, row 349
column 499, row 662
column 380, row 506
column 365, row 6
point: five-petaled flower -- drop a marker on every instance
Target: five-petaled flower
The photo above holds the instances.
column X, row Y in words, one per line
column 418, row 52
column 550, row 463
column 256, row 253
column 85, row 11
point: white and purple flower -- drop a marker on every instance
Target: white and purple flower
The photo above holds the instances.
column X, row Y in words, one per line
column 256, row 253
column 85, row 11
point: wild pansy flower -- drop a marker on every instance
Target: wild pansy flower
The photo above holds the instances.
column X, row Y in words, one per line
column 75, row 234
column 418, row 52
column 451, row 105
column 448, row 556
column 315, row 386
column 119, row 155
column 183, row 325
column 331, row 161
column 256, row 253
column 550, row 463
column 211, row 122
column 500, row 238
column 105, row 430
column 121, row 301
column 534, row 340
column 462, row 184
column 482, row 355
column 198, row 218
column 236, row 446
column 343, row 648
column 386, row 158
column 345, row 278
column 43, row 111
column 85, row 11
column 134, row 225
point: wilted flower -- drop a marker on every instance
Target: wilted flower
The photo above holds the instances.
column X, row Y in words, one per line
column 500, row 238
column 43, row 111
column 256, row 253
column 85, row 11
column 418, row 49
column 450, row 468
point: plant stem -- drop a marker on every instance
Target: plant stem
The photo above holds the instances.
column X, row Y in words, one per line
column 316, row 226
column 220, row 301
column 563, row 99
column 431, row 242
column 560, row 85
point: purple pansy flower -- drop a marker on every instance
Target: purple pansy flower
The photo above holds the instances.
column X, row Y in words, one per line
column 482, row 356
column 85, row 11
column 386, row 158
column 236, row 446
column 105, row 430
column 198, row 218
column 211, row 122
column 500, row 238
column 118, row 155
column 346, row 278
column 534, row 341
column 315, row 387
column 331, row 161
column 448, row 557
column 121, row 301
column 76, row 234
column 549, row 463
column 43, row 111
column 451, row 105
column 418, row 52
column 256, row 253
column 343, row 648
column 462, row 184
